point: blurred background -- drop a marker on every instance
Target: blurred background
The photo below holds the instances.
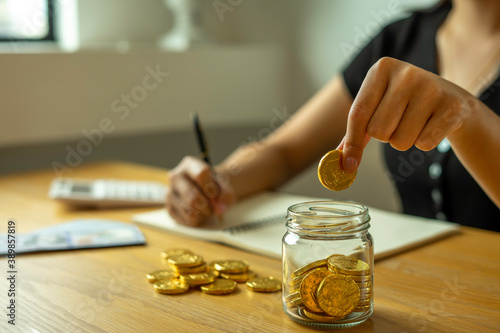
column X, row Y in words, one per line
column 98, row 80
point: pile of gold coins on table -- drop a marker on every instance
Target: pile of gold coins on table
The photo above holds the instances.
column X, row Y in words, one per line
column 328, row 290
column 188, row 270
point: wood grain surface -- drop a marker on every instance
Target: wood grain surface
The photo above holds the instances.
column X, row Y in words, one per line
column 452, row 285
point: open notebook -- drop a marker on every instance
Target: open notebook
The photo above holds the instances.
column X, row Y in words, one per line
column 257, row 224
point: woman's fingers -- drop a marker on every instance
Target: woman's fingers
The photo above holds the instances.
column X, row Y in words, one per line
column 403, row 105
column 366, row 102
column 196, row 192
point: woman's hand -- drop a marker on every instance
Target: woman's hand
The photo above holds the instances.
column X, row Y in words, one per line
column 405, row 106
column 197, row 193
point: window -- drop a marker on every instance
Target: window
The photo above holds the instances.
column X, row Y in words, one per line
column 26, row 20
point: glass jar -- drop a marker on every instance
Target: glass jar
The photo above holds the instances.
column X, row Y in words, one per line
column 328, row 264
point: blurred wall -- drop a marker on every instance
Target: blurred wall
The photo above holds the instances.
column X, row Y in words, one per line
column 270, row 55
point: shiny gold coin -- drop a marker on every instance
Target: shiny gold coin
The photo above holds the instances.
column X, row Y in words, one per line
column 347, row 265
column 297, row 280
column 320, row 316
column 186, row 260
column 292, row 296
column 337, row 295
column 331, row 175
column 220, row 287
column 361, row 308
column 171, row 286
column 310, row 285
column 190, row 270
column 294, row 302
column 363, row 285
column 364, row 302
column 174, row 252
column 308, row 267
column 239, row 277
column 293, row 299
column 264, row 284
column 159, row 275
column 197, row 279
column 295, row 288
column 231, row 266
column 359, row 278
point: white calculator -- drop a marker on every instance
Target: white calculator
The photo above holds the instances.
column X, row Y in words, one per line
column 107, row 192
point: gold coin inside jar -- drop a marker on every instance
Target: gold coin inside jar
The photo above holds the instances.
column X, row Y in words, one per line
column 308, row 267
column 310, row 285
column 347, row 265
column 337, row 295
column 330, row 173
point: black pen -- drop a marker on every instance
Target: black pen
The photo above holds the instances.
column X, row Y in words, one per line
column 202, row 144
column 201, row 138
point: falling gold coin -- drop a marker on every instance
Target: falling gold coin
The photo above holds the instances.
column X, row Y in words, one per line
column 310, row 285
column 231, row 266
column 320, row 316
column 171, row 286
column 238, row 277
column 347, row 265
column 264, row 284
column 197, row 279
column 159, row 275
column 174, row 252
column 220, row 287
column 337, row 295
column 185, row 260
column 303, row 269
column 331, row 175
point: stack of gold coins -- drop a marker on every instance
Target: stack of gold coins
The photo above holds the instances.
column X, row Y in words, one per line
column 330, row 289
column 187, row 270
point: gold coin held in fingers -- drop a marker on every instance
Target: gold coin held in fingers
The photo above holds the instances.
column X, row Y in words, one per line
column 337, row 295
column 185, row 260
column 330, row 173
column 219, row 287
column 171, row 286
column 159, row 275
column 347, row 265
column 264, row 284
column 310, row 285
column 231, row 266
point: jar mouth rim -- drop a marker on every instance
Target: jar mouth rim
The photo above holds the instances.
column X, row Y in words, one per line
column 336, row 220
column 363, row 209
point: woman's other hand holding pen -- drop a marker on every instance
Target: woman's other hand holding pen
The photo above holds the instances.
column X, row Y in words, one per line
column 197, row 192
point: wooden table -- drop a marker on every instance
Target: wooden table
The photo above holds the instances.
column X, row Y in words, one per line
column 449, row 286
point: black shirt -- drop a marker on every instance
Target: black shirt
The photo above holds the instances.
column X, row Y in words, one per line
column 431, row 184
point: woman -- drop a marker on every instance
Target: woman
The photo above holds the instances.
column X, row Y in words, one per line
column 427, row 81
